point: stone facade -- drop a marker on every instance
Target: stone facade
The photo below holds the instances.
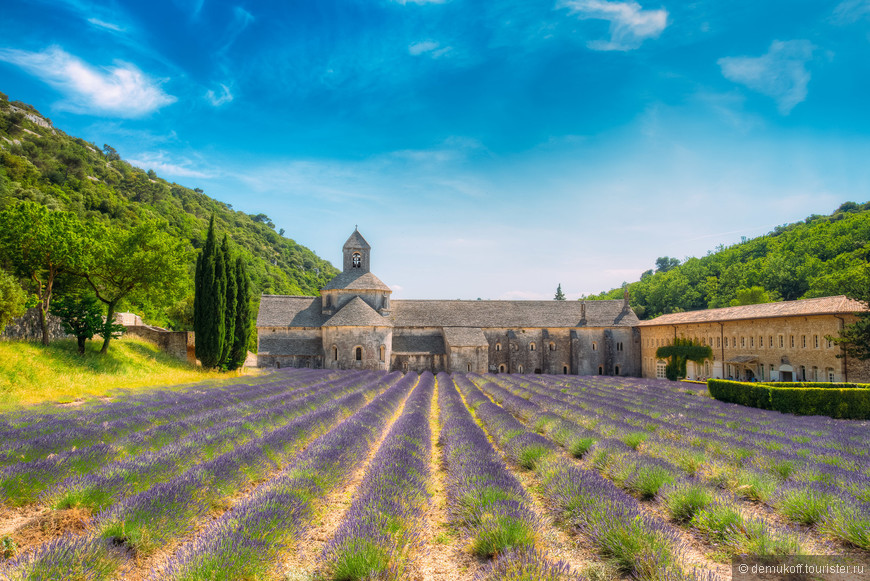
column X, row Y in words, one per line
column 769, row 342
column 354, row 324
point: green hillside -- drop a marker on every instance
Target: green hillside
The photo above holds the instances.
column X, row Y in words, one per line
column 821, row 256
column 41, row 163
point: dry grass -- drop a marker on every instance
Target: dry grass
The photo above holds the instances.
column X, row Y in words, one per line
column 32, row 373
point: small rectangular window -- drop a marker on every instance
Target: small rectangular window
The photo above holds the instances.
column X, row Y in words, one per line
column 791, row 341
column 761, row 341
column 816, row 341
column 803, row 341
column 781, row 341
column 718, row 341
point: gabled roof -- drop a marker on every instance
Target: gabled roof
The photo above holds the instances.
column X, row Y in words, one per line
column 282, row 344
column 501, row 314
column 418, row 344
column 356, row 240
column 804, row 307
column 357, row 280
column 357, row 313
column 465, row 337
column 290, row 311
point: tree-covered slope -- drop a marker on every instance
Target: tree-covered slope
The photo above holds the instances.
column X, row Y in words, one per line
column 821, row 256
column 41, row 163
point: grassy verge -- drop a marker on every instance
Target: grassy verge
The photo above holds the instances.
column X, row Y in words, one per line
column 32, row 373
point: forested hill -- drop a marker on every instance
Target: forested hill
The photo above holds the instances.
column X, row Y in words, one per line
column 41, row 163
column 821, row 256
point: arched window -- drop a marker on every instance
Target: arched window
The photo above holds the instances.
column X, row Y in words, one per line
column 564, row 370
column 357, row 260
column 501, row 368
column 595, row 347
column 531, row 346
column 552, row 346
column 359, row 353
column 498, row 346
column 600, row 370
column 520, row 369
column 405, row 366
column 383, row 352
column 469, row 367
column 335, row 353
column 616, row 370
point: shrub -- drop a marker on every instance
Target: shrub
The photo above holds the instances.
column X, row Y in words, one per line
column 844, row 401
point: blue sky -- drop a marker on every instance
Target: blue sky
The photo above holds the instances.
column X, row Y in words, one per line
column 486, row 149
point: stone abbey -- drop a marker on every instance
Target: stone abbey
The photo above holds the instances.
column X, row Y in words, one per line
column 354, row 324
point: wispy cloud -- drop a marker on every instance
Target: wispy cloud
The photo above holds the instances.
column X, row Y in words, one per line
column 851, row 11
column 241, row 20
column 428, row 48
column 630, row 24
column 121, row 90
column 780, row 74
column 106, row 25
column 220, row 97
column 169, row 165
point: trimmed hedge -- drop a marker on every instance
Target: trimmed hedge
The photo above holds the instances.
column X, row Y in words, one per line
column 839, row 400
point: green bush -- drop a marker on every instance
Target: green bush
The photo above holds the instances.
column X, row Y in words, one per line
column 838, row 400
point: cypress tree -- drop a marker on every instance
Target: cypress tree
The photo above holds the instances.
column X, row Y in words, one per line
column 209, row 302
column 239, row 352
column 230, row 304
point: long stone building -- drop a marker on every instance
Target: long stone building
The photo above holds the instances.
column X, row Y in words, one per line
column 784, row 341
column 354, row 324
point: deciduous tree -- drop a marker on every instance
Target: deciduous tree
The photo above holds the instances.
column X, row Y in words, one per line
column 13, row 299
column 129, row 263
column 40, row 245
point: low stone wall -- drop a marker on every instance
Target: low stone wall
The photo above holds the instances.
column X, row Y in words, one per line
column 179, row 344
column 26, row 328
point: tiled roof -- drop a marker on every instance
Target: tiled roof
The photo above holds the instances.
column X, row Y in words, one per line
column 281, row 344
column 356, row 240
column 804, row 307
column 427, row 344
column 500, row 314
column 465, row 337
column 357, row 313
column 288, row 311
column 356, row 280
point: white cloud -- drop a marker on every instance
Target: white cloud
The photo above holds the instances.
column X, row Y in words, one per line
column 106, row 25
column 121, row 90
column 428, row 48
column 168, row 165
column 780, row 74
column 851, row 11
column 222, row 97
column 630, row 24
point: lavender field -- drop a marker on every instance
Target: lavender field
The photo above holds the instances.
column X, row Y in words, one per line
column 315, row 474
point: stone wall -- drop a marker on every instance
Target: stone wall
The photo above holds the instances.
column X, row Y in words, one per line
column 26, row 328
column 179, row 344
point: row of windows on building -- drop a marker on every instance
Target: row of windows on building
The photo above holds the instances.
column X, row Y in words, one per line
column 732, row 371
column 520, row 369
column 552, row 346
column 804, row 341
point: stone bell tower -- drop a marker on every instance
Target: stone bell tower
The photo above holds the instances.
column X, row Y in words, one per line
column 356, row 254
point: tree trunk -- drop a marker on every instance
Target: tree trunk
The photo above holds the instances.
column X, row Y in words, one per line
column 43, row 323
column 81, row 341
column 107, row 330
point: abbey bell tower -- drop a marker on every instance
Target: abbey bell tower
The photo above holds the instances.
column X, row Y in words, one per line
column 356, row 254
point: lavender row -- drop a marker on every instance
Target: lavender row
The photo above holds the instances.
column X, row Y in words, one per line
column 49, row 434
column 716, row 515
column 642, row 546
column 246, row 542
column 485, row 501
column 384, row 518
column 148, row 520
column 123, row 478
column 24, row 482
